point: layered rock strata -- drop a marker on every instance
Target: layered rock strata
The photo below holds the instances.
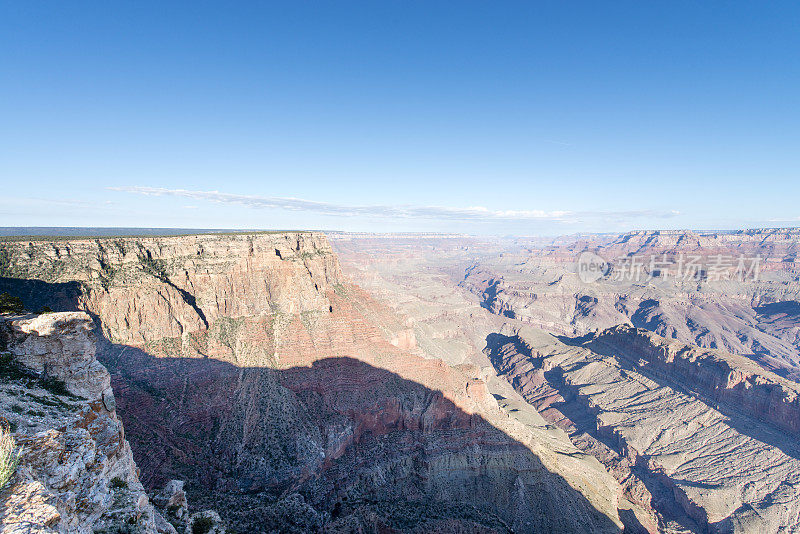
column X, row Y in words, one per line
column 713, row 375
column 247, row 365
column 754, row 315
column 703, row 436
column 686, row 442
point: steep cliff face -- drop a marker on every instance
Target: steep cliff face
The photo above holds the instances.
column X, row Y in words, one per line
column 778, row 247
column 248, row 366
column 76, row 472
column 181, row 289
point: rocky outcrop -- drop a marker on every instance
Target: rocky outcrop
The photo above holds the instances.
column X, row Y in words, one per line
column 76, row 472
column 60, row 347
column 145, row 290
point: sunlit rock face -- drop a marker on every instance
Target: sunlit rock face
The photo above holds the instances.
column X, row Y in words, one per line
column 288, row 398
column 76, row 472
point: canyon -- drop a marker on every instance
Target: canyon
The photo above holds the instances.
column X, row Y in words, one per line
column 698, row 426
column 434, row 383
column 289, row 399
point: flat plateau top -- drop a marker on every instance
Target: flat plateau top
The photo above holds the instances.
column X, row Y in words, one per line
column 76, row 233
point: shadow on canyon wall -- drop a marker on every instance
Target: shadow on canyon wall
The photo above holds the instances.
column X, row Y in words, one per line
column 36, row 294
column 338, row 444
column 350, row 438
column 584, row 418
column 578, row 409
column 752, row 425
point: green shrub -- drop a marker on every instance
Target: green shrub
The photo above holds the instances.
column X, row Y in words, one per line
column 119, row 528
column 202, row 525
column 6, row 266
column 11, row 370
column 117, row 483
column 120, row 244
column 56, row 386
column 153, row 267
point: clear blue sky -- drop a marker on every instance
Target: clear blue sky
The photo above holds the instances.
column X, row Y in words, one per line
column 482, row 117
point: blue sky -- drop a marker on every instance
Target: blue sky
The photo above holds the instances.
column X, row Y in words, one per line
column 479, row 117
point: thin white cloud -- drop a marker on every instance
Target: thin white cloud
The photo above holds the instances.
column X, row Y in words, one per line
column 476, row 213
column 784, row 220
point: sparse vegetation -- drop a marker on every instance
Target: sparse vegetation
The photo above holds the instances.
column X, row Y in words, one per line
column 53, row 402
column 56, row 386
column 90, row 237
column 309, row 319
column 228, row 329
column 120, row 528
column 12, row 371
column 107, row 274
column 117, row 484
column 120, row 244
column 340, row 290
column 308, row 255
column 152, row 266
column 202, row 525
column 9, row 456
column 10, row 304
column 5, row 262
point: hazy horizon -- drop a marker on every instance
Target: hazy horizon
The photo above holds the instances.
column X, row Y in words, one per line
column 122, row 231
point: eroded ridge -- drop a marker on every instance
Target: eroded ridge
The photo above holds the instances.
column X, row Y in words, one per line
column 706, row 461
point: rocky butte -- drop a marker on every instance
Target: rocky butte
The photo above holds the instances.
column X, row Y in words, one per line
column 286, row 397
